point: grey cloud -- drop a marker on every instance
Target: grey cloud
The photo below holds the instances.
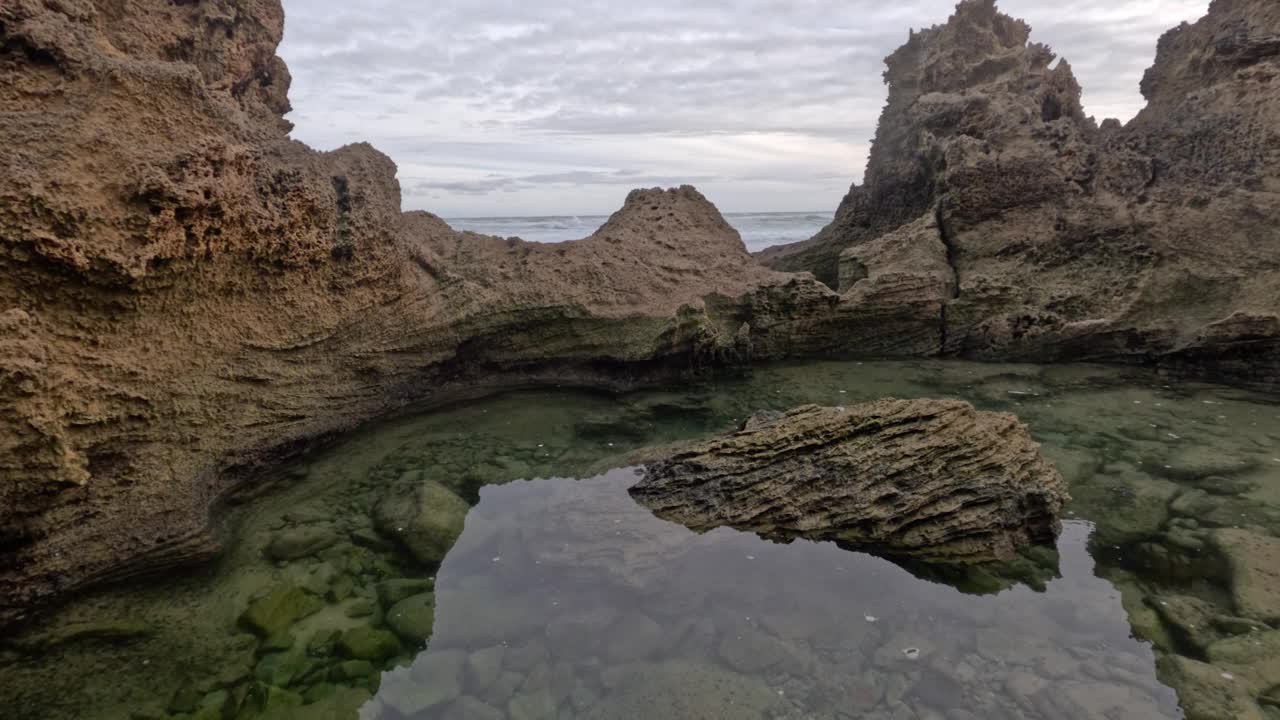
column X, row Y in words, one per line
column 532, row 77
column 484, row 186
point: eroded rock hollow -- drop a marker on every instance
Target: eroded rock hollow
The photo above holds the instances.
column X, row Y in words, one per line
column 931, row 480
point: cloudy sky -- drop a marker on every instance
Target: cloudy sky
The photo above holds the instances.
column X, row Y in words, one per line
column 549, row 107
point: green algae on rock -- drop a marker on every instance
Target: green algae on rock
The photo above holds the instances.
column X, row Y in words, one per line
column 425, row 517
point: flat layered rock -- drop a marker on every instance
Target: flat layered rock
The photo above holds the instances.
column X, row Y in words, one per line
column 934, row 480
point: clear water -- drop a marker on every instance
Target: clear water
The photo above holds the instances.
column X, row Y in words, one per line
column 758, row 230
column 564, row 599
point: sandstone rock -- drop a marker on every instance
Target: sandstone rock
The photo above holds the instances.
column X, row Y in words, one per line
column 1066, row 239
column 933, row 480
column 1254, row 562
column 178, row 310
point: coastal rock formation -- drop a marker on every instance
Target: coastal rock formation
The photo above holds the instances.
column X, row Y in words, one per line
column 187, row 295
column 933, row 480
column 1151, row 242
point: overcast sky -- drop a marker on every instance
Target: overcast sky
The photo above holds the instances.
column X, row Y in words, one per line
column 549, row 107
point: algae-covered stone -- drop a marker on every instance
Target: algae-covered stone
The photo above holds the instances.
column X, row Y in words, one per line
column 1206, row 692
column 351, row 670
column 360, row 608
column 1254, row 658
column 413, row 617
column 341, row 704
column 298, row 542
column 394, row 590
column 1125, row 507
column 366, row 643
column 1189, row 617
column 1254, row 561
column 340, row 588
column 1218, row 485
column 268, row 701
column 323, row 643
column 284, row 669
column 426, row 518
column 275, row 612
column 277, row 643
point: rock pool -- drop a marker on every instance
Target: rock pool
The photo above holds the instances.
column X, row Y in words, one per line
column 485, row 561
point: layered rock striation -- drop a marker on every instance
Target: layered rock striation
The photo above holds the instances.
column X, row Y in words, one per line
column 1152, row 242
column 929, row 480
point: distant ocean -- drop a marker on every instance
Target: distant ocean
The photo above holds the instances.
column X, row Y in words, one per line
column 758, row 230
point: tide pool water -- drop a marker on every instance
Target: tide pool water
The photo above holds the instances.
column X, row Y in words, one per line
column 485, row 561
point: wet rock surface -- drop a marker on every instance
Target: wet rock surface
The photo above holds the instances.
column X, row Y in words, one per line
column 933, row 480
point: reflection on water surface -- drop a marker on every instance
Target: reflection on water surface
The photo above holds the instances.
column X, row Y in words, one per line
column 349, row 591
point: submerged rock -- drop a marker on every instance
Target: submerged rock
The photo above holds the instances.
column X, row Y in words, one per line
column 426, row 518
column 934, row 480
column 1254, row 562
column 298, row 542
column 272, row 614
column 413, row 617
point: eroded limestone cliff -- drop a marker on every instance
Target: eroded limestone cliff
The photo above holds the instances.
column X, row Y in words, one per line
column 186, row 294
column 1152, row 242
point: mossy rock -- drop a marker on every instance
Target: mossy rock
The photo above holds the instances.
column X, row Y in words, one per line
column 351, row 670
column 394, row 590
column 366, row 643
column 299, row 542
column 273, row 613
column 413, row 618
column 1205, row 693
column 426, row 518
column 284, row 669
column 267, row 701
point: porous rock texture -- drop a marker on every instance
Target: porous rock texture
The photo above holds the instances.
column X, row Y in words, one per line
column 932, row 480
column 1152, row 242
column 187, row 295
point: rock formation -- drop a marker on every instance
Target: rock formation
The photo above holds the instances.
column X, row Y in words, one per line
column 1152, row 242
column 932, row 480
column 187, row 295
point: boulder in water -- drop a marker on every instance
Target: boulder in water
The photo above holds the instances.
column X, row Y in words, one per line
column 933, row 480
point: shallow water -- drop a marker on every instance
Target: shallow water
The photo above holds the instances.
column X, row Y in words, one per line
column 563, row 598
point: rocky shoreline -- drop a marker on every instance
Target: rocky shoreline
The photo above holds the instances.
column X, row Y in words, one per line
column 188, row 296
